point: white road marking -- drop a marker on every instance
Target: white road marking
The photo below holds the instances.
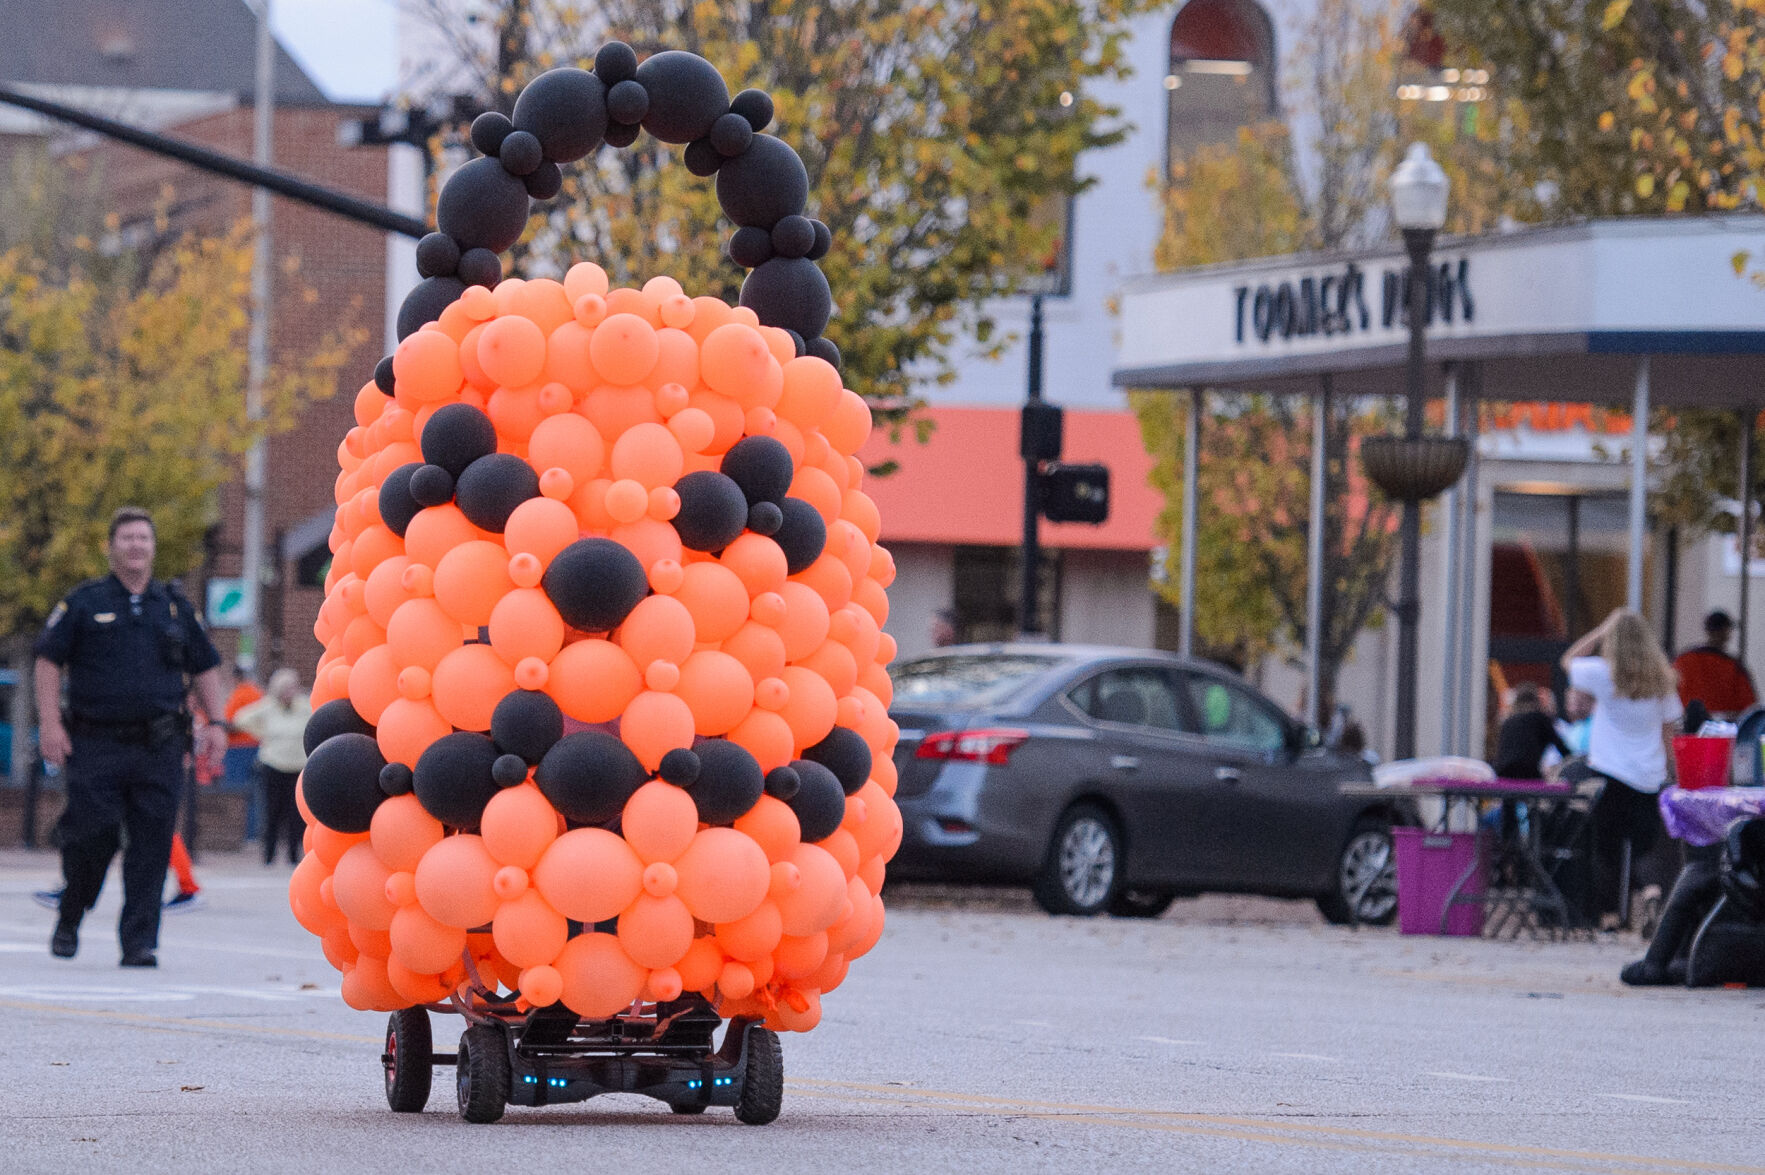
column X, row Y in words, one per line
column 1165, row 1040
column 1310, row 1057
column 1462, row 1076
column 1033, row 1023
column 1643, row 1097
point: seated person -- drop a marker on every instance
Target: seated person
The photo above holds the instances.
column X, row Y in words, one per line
column 1709, row 674
column 1526, row 734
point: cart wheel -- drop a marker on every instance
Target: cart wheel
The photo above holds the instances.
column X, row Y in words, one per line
column 409, row 1059
column 482, row 1073
column 687, row 1107
column 763, row 1083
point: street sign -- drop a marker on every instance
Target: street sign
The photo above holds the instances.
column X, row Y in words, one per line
column 228, row 605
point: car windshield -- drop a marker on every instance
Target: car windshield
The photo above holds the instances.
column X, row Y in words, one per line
column 971, row 680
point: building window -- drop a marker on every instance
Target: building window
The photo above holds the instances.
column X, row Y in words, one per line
column 1222, row 73
column 986, row 591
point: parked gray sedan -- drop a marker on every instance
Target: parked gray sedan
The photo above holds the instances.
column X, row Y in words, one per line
column 1119, row 779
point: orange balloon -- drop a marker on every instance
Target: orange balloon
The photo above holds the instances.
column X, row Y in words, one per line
column 800, row 1019
column 414, row 987
column 820, row 898
column 426, row 366
column 339, row 949
column 421, row 633
column 716, row 598
column 848, row 425
column 651, row 540
column 455, row 879
column 540, row 527
column 677, row 360
column 724, row 875
column 659, row 629
column 627, row 500
column 599, row 977
column 800, row 957
column 806, row 620
column 654, row 724
column 516, row 412
column 753, row 937
column 472, row 577
column 811, row 391
column 694, row 428
column 303, row 894
column 359, row 888
column 612, row 409
column 880, row 816
column 733, row 360
column 872, row 873
column 588, row 874
column 815, row 487
column 330, row 844
column 511, row 350
column 401, row 832
column 875, row 678
column 766, row 736
column 372, row 547
column 373, row 683
column 812, row 708
column 656, row 932
column 869, row 595
column 624, row 347
column 593, row 680
column 649, row 454
column 525, row 624
column 367, row 989
column 541, row 986
column 541, row 299
column 361, row 635
column 664, row 985
column 422, row 944
column 699, row 967
column 568, row 442
column 829, row 577
column 567, row 360
column 518, row 826
column 773, row 826
column 585, row 277
column 384, row 590
column 406, row 729
column 528, row 932
column 835, row 664
column 759, row 648
column 726, row 420
column 468, row 683
column 659, row 822
column 757, row 561
column 735, row 981
column 717, row 689
column 437, row 530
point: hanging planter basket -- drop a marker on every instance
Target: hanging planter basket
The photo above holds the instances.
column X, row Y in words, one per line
column 1414, row 469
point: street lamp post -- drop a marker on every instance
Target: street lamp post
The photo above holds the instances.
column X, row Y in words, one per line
column 1418, row 205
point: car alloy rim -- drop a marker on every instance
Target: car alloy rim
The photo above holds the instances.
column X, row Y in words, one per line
column 1369, row 876
column 463, row 1083
column 1087, row 862
column 391, row 1057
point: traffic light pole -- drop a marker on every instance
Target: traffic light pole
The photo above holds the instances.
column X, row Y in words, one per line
column 1028, row 620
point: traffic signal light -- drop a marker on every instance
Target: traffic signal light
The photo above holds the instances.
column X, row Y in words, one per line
column 1075, row 493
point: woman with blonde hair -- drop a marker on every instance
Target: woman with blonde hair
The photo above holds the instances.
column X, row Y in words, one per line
column 1636, row 708
column 278, row 722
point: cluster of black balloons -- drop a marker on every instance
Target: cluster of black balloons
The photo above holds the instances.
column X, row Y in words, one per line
column 565, row 114
column 460, row 464
column 748, row 491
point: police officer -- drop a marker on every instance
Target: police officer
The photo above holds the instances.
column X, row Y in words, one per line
column 130, row 646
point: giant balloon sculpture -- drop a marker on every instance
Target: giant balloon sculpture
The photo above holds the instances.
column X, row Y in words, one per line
column 602, row 716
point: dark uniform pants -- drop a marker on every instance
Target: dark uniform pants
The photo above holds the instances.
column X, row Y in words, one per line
column 111, row 787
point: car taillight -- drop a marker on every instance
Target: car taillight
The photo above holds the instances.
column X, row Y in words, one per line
column 972, row 746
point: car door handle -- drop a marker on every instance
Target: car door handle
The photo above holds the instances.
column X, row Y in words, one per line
column 1227, row 774
column 1124, row 762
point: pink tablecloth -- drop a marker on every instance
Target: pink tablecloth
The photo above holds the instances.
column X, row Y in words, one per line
column 1701, row 817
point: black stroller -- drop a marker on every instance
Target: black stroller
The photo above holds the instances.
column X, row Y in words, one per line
column 1712, row 930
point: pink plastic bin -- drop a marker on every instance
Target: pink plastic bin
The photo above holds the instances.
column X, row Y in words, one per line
column 1428, row 863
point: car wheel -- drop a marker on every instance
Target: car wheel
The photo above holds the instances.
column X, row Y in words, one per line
column 1083, row 868
column 1142, row 903
column 1366, row 878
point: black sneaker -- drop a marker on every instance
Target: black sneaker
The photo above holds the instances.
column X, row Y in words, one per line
column 1643, row 973
column 65, row 942
column 49, row 899
column 139, row 959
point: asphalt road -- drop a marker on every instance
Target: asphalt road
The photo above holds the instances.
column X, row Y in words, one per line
column 981, row 1035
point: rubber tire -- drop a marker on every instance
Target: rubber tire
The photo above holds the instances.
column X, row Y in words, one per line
column 763, row 1083
column 687, row 1107
column 1049, row 892
column 412, row 1072
column 1142, row 903
column 482, row 1074
column 1334, row 905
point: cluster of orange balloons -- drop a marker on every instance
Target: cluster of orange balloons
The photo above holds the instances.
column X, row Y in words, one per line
column 603, row 711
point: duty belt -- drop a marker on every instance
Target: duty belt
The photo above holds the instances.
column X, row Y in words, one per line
column 146, row 732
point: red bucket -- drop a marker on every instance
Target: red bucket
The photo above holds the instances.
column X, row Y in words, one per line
column 1702, row 761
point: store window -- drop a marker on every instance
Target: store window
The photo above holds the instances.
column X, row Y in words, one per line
column 987, row 589
column 1222, row 73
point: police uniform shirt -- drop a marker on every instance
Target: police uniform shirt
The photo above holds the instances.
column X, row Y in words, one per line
column 127, row 657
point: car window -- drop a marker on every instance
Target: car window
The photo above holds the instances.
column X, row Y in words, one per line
column 966, row 679
column 1232, row 714
column 1132, row 696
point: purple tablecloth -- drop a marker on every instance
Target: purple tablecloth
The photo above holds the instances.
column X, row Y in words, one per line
column 1701, row 817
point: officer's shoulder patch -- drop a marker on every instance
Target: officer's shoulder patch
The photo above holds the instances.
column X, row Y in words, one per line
column 104, row 617
column 56, row 614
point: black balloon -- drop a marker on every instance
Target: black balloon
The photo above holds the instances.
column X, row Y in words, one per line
column 823, row 241
column 492, row 486
column 627, row 103
column 509, row 770
column 526, row 723
column 588, row 776
column 750, row 246
column 701, row 158
column 790, row 292
column 679, row 767
column 431, row 485
column 753, row 105
column 713, row 511
column 546, row 181
column 396, row 779
column 615, row 62
column 482, row 206
column 796, row 341
column 520, row 153
column 845, row 753
column 335, row 717
column 397, row 506
column 824, row 349
column 480, row 267
column 341, row 782
column 764, row 184
column 802, row 536
column 793, row 236
column 619, row 135
column 490, row 129
column 384, row 379
column 761, row 466
column 426, row 301
column 454, row 778
column 438, row 255
column 731, row 134
column 730, row 781
column 594, row 584
column 457, row 435
column 765, row 518
column 782, row 783
column 566, row 110
column 820, row 803
column 687, row 95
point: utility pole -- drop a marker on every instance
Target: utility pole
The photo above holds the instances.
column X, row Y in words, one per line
column 258, row 346
column 1028, row 612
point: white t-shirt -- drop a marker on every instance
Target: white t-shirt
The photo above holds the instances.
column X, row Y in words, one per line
column 1625, row 739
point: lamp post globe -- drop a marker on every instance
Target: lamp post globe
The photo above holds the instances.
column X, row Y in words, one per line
column 1419, row 190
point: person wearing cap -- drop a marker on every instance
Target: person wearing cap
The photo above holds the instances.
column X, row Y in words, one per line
column 1709, row 674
